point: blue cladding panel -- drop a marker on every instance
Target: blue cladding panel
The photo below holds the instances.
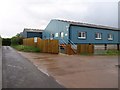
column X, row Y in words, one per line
column 24, row 34
column 56, row 27
column 34, row 34
column 91, row 35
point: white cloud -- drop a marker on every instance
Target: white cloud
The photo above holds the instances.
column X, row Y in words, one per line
column 19, row 14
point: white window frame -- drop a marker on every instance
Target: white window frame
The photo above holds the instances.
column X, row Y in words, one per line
column 56, row 34
column 66, row 34
column 99, row 36
column 83, row 35
column 110, row 36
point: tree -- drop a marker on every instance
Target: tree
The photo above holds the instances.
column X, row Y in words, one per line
column 6, row 41
column 17, row 40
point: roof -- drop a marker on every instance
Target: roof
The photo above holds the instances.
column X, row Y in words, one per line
column 88, row 25
column 33, row 30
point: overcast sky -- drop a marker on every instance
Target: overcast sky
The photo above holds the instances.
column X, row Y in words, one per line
column 15, row 15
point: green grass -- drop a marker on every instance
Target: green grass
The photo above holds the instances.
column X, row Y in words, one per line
column 103, row 52
column 112, row 52
column 107, row 52
column 26, row 48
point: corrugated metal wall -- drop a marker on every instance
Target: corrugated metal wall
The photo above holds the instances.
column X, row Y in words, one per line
column 56, row 27
column 90, row 35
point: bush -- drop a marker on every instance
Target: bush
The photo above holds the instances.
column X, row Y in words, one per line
column 16, row 41
column 6, row 41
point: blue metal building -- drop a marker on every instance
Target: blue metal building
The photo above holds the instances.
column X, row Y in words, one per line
column 30, row 33
column 80, row 33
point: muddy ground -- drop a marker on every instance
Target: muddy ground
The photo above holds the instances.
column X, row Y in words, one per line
column 78, row 71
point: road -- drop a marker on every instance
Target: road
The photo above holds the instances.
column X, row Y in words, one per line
column 18, row 72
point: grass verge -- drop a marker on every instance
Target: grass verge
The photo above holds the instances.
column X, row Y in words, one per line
column 103, row 52
column 112, row 52
column 107, row 52
column 26, row 48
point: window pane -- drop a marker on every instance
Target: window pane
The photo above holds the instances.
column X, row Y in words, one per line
column 110, row 37
column 82, row 34
column 98, row 35
column 61, row 34
column 56, row 34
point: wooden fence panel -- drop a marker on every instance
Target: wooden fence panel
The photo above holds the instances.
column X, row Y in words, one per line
column 29, row 42
column 55, row 46
column 46, row 46
column 91, row 49
column 41, row 45
column 43, row 48
column 85, row 49
column 49, row 46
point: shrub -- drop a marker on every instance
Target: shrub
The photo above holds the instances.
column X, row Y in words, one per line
column 16, row 41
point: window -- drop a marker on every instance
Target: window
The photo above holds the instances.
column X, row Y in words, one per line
column 56, row 34
column 62, row 34
column 66, row 34
column 98, row 36
column 82, row 35
column 110, row 37
column 52, row 36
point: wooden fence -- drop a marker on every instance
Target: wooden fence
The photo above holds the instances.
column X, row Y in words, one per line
column 81, row 49
column 69, row 50
column 46, row 46
column 52, row 46
column 85, row 49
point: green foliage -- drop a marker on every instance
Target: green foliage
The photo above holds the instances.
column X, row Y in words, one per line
column 6, row 41
column 26, row 48
column 17, row 40
column 108, row 52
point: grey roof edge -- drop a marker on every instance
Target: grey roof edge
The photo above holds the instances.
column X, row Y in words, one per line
column 33, row 30
column 88, row 25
